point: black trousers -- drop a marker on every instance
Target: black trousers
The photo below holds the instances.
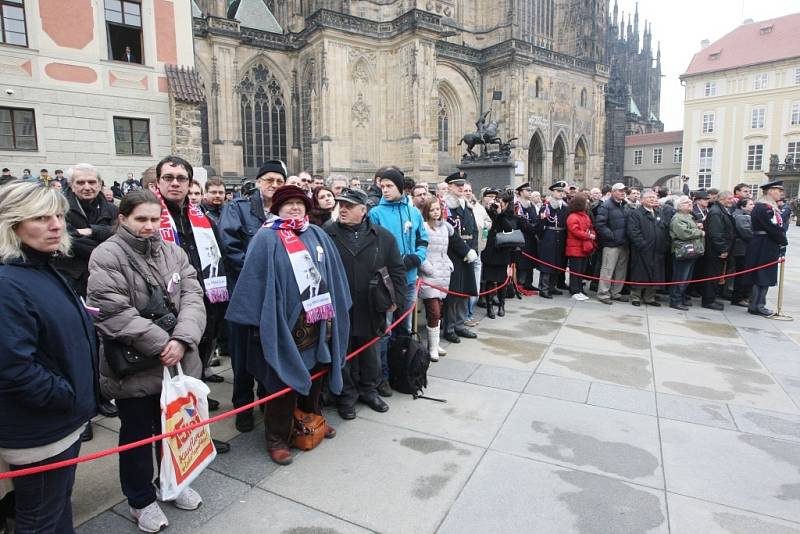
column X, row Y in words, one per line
column 712, row 266
column 139, row 418
column 279, row 412
column 455, row 312
column 362, row 374
column 741, row 289
column 577, row 266
column 215, row 314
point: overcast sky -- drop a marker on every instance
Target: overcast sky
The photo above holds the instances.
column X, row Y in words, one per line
column 680, row 25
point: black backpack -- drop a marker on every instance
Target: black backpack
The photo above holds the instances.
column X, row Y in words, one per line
column 408, row 365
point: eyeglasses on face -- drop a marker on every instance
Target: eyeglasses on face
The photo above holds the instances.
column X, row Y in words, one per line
column 181, row 178
column 273, row 181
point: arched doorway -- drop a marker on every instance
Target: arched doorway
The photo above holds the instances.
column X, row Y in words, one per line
column 632, row 181
column 536, row 162
column 580, row 163
column 559, row 159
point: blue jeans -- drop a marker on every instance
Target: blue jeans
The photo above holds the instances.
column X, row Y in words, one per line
column 402, row 328
column 681, row 270
column 44, row 501
column 476, row 266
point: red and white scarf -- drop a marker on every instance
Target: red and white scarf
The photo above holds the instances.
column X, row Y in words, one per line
column 314, row 293
column 214, row 280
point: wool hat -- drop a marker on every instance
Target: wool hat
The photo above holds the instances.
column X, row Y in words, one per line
column 286, row 193
column 456, row 178
column 395, row 175
column 274, row 165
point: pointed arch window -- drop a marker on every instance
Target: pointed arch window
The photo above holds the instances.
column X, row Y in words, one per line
column 263, row 110
column 444, row 125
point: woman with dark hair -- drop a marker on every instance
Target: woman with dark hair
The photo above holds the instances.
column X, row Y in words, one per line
column 294, row 299
column 496, row 260
column 744, row 233
column 149, row 299
column 581, row 238
column 47, row 355
column 322, row 204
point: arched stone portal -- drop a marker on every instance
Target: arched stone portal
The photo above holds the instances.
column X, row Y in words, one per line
column 536, row 162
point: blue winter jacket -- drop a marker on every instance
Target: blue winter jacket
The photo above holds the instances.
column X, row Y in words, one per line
column 405, row 223
column 48, row 355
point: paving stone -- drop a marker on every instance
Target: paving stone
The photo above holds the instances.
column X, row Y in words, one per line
column 791, row 385
column 558, row 387
column 500, row 377
column 219, row 492
column 707, row 352
column 452, row 368
column 261, row 511
column 515, row 352
column 248, row 460
column 598, row 440
column 599, row 365
column 225, row 429
column 621, row 398
column 383, row 478
column 97, row 485
column 107, row 523
column 472, row 414
column 589, row 337
column 775, row 424
column 782, row 363
column 745, row 471
column 547, row 499
column 621, row 319
column 720, row 332
column 534, row 329
column 701, row 412
column 693, row 516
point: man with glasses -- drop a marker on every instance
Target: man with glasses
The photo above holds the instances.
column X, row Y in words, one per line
column 305, row 182
column 174, row 178
column 240, row 221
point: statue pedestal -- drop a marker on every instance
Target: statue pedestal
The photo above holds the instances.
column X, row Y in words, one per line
column 497, row 174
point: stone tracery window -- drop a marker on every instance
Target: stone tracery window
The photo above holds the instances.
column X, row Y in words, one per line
column 263, row 109
column 444, row 125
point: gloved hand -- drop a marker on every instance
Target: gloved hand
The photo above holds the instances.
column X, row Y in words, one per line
column 472, row 256
column 411, row 261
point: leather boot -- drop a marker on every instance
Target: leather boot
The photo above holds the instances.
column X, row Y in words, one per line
column 490, row 302
column 433, row 344
column 544, row 286
column 501, row 309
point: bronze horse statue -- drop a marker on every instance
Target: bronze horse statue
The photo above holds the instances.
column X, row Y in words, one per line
column 487, row 136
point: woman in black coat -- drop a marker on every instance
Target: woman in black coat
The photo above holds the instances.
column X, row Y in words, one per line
column 768, row 239
column 496, row 260
column 648, row 234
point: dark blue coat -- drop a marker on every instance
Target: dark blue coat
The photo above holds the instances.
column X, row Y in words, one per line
column 47, row 355
column 765, row 246
column 611, row 223
column 240, row 221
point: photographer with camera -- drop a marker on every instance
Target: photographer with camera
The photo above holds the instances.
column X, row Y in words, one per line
column 151, row 304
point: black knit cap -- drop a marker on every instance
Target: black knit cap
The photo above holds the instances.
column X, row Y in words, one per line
column 274, row 165
column 286, row 193
column 396, row 176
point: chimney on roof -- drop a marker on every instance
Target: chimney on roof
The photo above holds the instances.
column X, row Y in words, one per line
column 747, row 21
column 704, row 44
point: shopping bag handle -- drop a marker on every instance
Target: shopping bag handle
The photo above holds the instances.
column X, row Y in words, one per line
column 178, row 371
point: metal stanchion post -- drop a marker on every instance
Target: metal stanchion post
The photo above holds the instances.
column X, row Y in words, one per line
column 778, row 315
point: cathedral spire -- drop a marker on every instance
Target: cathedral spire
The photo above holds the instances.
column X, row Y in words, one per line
column 616, row 13
column 622, row 27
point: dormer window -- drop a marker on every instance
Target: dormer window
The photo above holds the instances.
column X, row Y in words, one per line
column 766, row 29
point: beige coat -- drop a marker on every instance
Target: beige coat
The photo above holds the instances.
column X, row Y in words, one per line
column 119, row 291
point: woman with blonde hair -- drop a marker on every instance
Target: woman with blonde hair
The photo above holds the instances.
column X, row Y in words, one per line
column 47, row 355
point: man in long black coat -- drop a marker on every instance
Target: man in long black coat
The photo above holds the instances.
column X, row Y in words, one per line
column 463, row 251
column 648, row 235
column 768, row 239
column 720, row 234
column 552, row 239
column 364, row 248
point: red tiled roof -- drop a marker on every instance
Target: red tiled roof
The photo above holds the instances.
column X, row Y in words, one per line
column 185, row 84
column 750, row 44
column 660, row 138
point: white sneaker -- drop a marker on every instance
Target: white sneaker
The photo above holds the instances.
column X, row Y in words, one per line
column 150, row 518
column 188, row 499
column 580, row 296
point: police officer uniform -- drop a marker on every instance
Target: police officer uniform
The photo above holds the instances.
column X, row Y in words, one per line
column 552, row 242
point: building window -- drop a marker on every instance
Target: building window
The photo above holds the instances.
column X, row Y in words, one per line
column 17, row 129
column 637, row 157
column 760, row 81
column 710, row 89
column 677, row 154
column 795, row 121
column 539, row 88
column 263, row 110
column 753, row 190
column 794, row 151
column 12, row 23
column 757, row 117
column 797, row 76
column 755, row 157
column 583, row 98
column 658, row 155
column 708, row 122
column 124, row 29
column 704, row 168
column 132, row 136
column 444, row 126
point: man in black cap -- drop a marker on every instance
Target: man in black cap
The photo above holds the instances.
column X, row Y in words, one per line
column 769, row 238
column 527, row 211
column 463, row 251
column 701, row 199
column 240, row 221
column 367, row 250
column 552, row 239
column 6, row 176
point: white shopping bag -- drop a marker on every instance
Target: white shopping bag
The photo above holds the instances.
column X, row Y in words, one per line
column 184, row 401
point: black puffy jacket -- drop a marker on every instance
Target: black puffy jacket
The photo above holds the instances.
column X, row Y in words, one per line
column 610, row 223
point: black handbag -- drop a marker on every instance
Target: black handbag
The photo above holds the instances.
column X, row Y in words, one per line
column 512, row 239
column 122, row 358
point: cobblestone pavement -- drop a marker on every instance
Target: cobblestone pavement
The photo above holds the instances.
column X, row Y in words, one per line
column 562, row 417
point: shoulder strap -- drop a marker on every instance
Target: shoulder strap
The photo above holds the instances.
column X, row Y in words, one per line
column 151, row 281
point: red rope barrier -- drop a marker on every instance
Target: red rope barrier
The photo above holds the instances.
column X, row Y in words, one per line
column 457, row 294
column 210, row 420
column 708, row 279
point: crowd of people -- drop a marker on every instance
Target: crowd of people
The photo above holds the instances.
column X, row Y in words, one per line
column 290, row 273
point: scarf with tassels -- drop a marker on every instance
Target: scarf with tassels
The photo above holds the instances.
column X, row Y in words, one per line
column 317, row 302
column 211, row 267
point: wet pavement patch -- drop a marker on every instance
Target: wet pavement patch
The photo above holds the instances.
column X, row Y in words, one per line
column 706, row 328
column 744, row 524
column 548, row 314
column 717, row 353
column 518, row 349
column 621, row 459
column 746, row 382
column 310, row 530
column 429, row 486
column 782, row 451
column 528, row 329
column 626, row 370
column 610, row 506
column 699, row 391
column 629, row 340
column 431, row 445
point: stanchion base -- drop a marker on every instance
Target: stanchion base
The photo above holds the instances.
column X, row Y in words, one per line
column 781, row 317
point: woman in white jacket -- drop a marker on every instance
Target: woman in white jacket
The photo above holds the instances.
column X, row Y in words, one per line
column 435, row 270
